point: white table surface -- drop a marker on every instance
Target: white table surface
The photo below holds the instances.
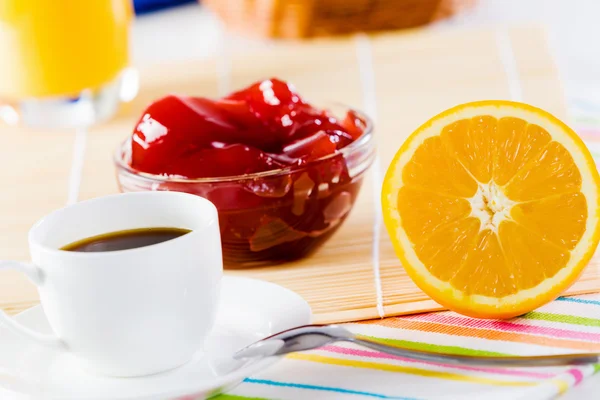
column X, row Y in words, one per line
column 191, row 33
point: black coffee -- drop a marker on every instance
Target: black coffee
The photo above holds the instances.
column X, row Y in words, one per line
column 124, row 240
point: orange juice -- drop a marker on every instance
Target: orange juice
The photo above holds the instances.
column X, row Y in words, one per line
column 61, row 47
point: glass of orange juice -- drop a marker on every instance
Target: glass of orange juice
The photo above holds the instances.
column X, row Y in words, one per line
column 63, row 62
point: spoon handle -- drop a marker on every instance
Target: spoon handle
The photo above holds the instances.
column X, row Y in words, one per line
column 490, row 361
column 314, row 336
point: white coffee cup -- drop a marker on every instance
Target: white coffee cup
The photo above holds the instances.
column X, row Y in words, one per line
column 130, row 312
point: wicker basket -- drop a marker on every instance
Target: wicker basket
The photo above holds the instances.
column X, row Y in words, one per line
column 307, row 18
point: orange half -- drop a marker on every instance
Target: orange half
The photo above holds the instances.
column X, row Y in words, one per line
column 492, row 208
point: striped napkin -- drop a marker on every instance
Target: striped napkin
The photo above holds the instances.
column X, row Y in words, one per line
column 346, row 371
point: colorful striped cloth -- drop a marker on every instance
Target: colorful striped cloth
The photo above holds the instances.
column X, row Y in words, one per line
column 345, row 371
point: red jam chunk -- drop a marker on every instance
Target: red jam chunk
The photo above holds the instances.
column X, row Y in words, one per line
column 264, row 127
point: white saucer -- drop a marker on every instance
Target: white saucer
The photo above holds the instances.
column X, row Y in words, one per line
column 249, row 310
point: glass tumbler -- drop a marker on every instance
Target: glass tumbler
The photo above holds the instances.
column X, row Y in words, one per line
column 64, row 63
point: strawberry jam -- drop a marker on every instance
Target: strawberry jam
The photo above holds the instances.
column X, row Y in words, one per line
column 275, row 166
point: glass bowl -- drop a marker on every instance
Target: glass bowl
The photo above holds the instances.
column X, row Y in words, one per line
column 278, row 215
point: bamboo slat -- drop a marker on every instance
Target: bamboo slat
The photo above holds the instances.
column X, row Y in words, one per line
column 35, row 180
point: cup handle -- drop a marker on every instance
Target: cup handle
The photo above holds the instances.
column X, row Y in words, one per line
column 32, row 273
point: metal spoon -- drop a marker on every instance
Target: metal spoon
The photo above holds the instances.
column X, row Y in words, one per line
column 311, row 337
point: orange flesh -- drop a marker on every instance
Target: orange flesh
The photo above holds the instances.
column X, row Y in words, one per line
column 537, row 176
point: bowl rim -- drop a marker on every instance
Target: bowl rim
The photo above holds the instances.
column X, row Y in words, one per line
column 363, row 140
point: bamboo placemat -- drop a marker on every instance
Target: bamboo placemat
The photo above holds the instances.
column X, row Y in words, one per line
column 399, row 79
